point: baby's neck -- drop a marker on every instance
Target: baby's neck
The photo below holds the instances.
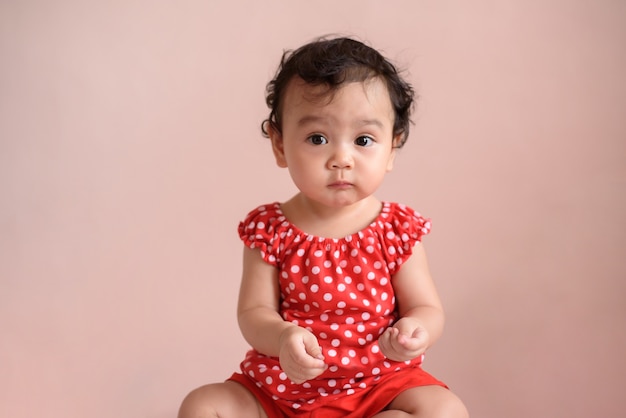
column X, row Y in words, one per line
column 330, row 222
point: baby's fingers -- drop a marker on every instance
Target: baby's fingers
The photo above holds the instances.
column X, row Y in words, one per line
column 302, row 359
column 300, row 369
column 387, row 343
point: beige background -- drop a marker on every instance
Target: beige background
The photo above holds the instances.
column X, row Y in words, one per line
column 130, row 149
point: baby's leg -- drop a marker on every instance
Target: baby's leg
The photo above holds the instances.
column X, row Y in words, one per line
column 425, row 401
column 224, row 400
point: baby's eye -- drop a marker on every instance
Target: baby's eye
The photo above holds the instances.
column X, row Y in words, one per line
column 364, row 141
column 317, row 139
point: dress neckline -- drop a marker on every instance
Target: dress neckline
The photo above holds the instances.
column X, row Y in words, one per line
column 385, row 209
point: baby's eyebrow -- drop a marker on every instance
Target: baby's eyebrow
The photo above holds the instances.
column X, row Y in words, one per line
column 306, row 120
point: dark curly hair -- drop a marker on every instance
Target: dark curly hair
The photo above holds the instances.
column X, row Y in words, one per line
column 331, row 63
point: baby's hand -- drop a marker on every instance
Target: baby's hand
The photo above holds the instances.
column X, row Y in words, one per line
column 405, row 340
column 300, row 355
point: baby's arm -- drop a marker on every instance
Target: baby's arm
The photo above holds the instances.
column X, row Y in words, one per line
column 264, row 329
column 421, row 316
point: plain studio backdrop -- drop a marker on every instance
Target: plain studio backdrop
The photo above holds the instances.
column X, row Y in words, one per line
column 130, row 148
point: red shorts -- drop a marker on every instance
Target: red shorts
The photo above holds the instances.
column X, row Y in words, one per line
column 362, row 404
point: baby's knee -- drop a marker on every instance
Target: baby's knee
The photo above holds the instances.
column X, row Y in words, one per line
column 455, row 408
column 198, row 403
column 450, row 406
column 226, row 399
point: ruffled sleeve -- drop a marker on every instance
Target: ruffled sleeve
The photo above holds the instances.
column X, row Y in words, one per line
column 259, row 230
column 402, row 228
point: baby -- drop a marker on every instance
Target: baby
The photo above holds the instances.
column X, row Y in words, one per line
column 336, row 298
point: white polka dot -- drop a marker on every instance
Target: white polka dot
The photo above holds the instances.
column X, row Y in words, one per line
column 328, row 297
column 345, row 361
column 295, row 269
column 314, row 288
column 328, row 279
column 281, row 388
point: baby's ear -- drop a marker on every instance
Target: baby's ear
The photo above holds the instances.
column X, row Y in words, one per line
column 394, row 147
column 392, row 158
column 397, row 140
column 278, row 146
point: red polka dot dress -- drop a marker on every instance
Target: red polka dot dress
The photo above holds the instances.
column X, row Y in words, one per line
column 340, row 290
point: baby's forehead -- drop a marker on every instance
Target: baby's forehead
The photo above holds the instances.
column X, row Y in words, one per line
column 299, row 90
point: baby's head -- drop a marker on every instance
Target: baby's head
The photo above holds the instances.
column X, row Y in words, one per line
column 331, row 63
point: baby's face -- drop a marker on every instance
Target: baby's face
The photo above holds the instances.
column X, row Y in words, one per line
column 337, row 147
